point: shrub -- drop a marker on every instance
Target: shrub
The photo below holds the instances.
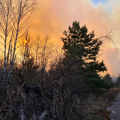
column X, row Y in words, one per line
column 97, row 84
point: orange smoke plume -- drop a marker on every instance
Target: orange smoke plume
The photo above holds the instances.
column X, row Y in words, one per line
column 52, row 17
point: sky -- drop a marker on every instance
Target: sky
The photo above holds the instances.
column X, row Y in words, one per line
column 52, row 17
column 95, row 2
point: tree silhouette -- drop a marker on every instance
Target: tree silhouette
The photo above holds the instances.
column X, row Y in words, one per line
column 82, row 49
column 107, row 78
column 118, row 81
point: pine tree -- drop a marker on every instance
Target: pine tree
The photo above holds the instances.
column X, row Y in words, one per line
column 82, row 49
column 108, row 79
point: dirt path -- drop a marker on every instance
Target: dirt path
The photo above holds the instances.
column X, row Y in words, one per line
column 115, row 108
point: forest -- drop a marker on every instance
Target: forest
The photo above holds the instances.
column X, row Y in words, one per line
column 39, row 82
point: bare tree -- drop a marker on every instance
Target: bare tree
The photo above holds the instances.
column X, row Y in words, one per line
column 42, row 49
column 26, row 49
column 14, row 15
column 37, row 47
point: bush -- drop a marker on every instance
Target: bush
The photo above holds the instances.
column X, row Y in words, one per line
column 97, row 84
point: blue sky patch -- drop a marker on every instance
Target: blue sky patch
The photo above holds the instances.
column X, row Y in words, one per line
column 95, row 2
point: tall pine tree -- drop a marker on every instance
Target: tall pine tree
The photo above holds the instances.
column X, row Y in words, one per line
column 81, row 50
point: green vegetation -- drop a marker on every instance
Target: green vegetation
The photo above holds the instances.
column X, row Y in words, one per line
column 97, row 84
column 81, row 51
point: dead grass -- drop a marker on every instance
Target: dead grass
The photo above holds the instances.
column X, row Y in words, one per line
column 112, row 93
column 61, row 106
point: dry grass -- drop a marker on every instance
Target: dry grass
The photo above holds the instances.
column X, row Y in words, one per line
column 60, row 105
column 19, row 106
column 112, row 93
column 93, row 109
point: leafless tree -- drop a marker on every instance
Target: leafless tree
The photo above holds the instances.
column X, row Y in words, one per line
column 42, row 49
column 14, row 15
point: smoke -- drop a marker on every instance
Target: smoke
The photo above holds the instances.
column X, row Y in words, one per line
column 52, row 17
column 112, row 61
column 55, row 16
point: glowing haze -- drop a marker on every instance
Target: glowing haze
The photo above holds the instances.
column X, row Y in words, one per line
column 52, row 17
